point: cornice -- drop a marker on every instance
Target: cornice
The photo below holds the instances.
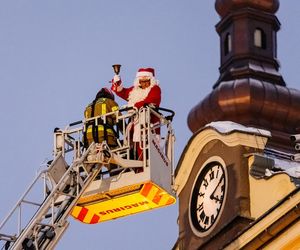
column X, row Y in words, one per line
column 200, row 139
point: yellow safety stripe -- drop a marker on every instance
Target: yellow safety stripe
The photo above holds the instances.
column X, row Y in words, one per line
column 114, row 108
column 100, row 128
column 103, row 108
column 87, row 112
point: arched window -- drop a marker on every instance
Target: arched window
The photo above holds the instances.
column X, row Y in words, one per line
column 260, row 38
column 227, row 44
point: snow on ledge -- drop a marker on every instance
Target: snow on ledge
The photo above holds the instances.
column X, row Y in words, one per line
column 228, row 126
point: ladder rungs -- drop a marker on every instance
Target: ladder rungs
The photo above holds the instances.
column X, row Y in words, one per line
column 7, row 237
column 32, row 203
column 65, row 194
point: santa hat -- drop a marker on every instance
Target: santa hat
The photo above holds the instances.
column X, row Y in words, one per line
column 145, row 72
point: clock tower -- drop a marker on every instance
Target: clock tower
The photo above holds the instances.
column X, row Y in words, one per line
column 236, row 175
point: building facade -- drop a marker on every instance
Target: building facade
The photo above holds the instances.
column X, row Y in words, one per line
column 238, row 177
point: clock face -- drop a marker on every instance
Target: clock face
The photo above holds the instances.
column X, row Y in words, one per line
column 208, row 196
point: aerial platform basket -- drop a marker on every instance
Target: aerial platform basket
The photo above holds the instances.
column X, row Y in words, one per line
column 126, row 191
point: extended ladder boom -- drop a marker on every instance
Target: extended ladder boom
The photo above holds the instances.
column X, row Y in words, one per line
column 63, row 187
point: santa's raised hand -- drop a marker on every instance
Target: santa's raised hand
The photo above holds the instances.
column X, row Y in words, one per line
column 116, row 82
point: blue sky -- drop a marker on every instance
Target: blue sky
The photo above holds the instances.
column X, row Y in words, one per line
column 55, row 55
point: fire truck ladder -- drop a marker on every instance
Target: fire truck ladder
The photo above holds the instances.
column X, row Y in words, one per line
column 63, row 186
column 39, row 218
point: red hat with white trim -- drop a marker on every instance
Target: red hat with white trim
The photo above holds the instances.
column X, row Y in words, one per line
column 145, row 72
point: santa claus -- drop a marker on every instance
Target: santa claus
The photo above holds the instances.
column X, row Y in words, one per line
column 145, row 91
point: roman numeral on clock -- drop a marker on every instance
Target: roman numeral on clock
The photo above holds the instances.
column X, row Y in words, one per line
column 211, row 175
column 200, row 207
column 205, row 183
column 203, row 218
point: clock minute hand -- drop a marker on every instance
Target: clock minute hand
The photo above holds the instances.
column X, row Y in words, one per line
column 212, row 194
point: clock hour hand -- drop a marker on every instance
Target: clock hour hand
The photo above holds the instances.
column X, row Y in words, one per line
column 212, row 196
column 215, row 198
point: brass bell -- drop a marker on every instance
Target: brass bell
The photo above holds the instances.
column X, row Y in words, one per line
column 117, row 68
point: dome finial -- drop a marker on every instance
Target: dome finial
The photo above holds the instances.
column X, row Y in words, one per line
column 224, row 7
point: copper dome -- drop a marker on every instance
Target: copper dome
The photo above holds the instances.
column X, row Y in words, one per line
column 249, row 102
column 224, row 7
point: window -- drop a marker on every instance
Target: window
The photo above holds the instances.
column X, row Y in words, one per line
column 227, row 44
column 260, row 38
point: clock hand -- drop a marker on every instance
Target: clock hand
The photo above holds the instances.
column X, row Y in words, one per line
column 216, row 198
column 212, row 196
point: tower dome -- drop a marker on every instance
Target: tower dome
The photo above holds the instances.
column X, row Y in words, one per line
column 224, row 7
column 250, row 89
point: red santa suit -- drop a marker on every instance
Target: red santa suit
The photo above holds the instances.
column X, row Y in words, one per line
column 138, row 97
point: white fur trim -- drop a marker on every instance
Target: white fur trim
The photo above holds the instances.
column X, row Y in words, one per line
column 138, row 94
column 117, row 78
column 144, row 73
column 136, row 137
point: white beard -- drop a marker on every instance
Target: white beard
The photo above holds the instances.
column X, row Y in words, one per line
column 137, row 94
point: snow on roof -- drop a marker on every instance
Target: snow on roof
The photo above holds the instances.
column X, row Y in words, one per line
column 292, row 168
column 274, row 164
column 228, row 126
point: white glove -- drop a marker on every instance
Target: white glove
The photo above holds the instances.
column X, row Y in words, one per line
column 116, row 78
column 116, row 82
